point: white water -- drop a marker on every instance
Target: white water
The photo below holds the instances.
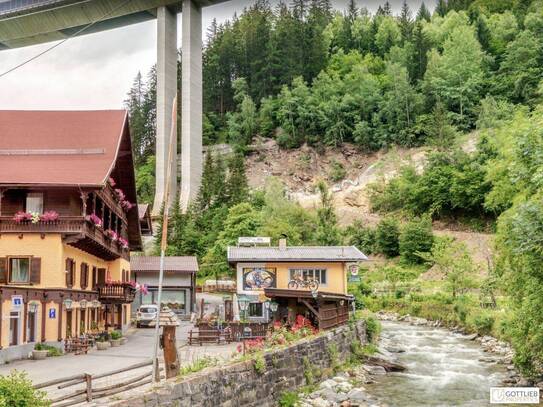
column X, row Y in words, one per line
column 442, row 369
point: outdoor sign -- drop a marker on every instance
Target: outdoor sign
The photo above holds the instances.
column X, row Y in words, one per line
column 353, row 269
column 354, row 279
column 52, row 313
column 16, row 302
column 253, row 241
column 258, row 278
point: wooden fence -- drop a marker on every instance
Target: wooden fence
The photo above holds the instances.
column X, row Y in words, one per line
column 90, row 391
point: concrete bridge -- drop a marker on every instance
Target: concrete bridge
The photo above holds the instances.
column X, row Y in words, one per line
column 29, row 22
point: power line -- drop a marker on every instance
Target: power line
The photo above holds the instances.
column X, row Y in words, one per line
column 58, row 44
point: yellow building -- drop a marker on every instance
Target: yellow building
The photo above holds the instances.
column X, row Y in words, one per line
column 306, row 280
column 68, row 220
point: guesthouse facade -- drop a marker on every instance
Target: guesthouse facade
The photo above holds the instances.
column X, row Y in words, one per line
column 68, row 221
column 282, row 276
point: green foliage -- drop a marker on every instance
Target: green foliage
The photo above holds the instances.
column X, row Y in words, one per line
column 483, row 323
column 289, row 399
column 145, row 181
column 116, row 335
column 416, row 237
column 453, row 260
column 337, row 171
column 373, row 328
column 361, row 236
column 197, row 365
column 260, row 364
column 327, row 232
column 16, row 391
column 333, row 354
column 387, row 236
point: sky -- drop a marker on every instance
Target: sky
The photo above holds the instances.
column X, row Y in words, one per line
column 96, row 71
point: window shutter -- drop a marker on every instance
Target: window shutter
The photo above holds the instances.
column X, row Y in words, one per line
column 94, row 277
column 69, row 273
column 35, row 270
column 73, row 273
column 101, row 276
column 3, row 270
column 84, row 268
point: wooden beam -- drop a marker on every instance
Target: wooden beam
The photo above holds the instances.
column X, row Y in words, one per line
column 308, row 305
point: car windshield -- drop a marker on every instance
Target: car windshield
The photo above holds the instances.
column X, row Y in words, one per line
column 147, row 309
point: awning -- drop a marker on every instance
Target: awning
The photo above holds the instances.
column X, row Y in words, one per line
column 321, row 295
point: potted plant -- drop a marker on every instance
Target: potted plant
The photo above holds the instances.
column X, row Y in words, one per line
column 115, row 338
column 102, row 342
column 123, row 338
column 40, row 352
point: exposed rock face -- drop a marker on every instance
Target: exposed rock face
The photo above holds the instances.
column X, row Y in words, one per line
column 240, row 385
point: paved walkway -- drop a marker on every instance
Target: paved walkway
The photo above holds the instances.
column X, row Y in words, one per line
column 138, row 349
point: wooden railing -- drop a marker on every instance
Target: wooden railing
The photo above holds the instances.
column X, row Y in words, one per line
column 65, row 224
column 116, row 293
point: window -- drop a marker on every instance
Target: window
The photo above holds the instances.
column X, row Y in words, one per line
column 256, row 310
column 19, row 270
column 316, row 274
column 34, row 202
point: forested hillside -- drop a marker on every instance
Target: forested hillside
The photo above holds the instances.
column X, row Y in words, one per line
column 306, row 74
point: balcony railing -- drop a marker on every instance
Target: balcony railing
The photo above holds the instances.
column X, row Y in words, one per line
column 78, row 232
column 116, row 293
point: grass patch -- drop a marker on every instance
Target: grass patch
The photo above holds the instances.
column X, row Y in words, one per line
column 198, row 365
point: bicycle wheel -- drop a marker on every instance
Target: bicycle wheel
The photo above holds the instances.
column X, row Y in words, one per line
column 293, row 284
column 313, row 285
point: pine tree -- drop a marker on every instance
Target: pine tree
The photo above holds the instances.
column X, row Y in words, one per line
column 406, row 22
column 387, row 9
column 441, row 8
column 423, row 13
column 237, row 189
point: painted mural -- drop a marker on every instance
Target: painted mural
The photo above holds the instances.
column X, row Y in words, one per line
column 258, row 278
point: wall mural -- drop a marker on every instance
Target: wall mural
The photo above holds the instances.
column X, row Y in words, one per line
column 258, row 278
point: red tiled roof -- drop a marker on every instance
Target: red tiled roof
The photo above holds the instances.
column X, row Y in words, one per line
column 59, row 147
column 171, row 263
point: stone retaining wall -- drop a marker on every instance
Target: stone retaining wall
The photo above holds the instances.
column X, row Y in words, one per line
column 240, row 385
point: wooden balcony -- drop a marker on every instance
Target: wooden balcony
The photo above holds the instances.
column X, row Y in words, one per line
column 75, row 230
column 116, row 293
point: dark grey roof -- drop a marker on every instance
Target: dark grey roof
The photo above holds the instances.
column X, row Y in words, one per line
column 171, row 263
column 295, row 253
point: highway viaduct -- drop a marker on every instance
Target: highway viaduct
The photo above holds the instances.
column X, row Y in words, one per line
column 29, row 22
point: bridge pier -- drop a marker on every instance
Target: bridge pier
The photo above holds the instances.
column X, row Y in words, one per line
column 166, row 88
column 191, row 102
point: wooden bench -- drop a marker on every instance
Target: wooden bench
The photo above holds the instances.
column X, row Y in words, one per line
column 201, row 336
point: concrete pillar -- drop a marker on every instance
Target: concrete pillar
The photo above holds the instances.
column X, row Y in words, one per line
column 191, row 102
column 166, row 88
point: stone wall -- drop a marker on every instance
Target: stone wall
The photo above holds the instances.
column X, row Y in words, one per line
column 240, row 385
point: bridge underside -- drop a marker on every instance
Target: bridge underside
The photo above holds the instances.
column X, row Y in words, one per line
column 30, row 22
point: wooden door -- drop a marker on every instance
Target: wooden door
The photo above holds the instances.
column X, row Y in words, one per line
column 31, row 322
column 14, row 329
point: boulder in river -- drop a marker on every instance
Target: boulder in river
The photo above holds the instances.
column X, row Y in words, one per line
column 388, row 365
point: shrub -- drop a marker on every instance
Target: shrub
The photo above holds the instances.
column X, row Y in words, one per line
column 197, row 365
column 483, row 323
column 387, row 236
column 116, row 335
column 260, row 364
column 337, row 171
column 16, row 391
column 416, row 237
column 362, row 237
column 373, row 328
column 289, row 399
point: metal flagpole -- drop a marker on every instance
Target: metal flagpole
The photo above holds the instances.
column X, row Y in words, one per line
column 164, row 238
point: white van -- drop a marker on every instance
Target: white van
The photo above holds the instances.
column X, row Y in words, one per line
column 146, row 314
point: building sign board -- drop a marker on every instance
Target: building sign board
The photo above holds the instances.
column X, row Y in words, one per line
column 16, row 302
column 258, row 278
column 52, row 313
column 253, row 241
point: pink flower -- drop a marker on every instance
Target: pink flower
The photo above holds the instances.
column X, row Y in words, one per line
column 112, row 182
column 95, row 220
column 126, row 205
column 22, row 217
column 49, row 216
column 120, row 194
column 123, row 242
column 112, row 234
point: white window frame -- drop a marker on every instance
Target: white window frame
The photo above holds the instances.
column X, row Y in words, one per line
column 304, row 270
column 262, row 315
column 38, row 199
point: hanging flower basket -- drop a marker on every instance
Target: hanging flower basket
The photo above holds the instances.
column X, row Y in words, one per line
column 49, row 216
column 112, row 235
column 95, row 220
column 22, row 217
column 123, row 242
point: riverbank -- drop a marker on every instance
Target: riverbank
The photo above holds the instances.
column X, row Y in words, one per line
column 443, row 367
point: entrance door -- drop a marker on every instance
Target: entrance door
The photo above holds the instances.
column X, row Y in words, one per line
column 68, row 323
column 13, row 328
column 83, row 323
column 31, row 327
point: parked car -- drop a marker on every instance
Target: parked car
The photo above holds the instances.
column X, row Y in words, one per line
column 146, row 314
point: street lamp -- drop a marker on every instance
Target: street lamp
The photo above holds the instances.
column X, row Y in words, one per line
column 68, row 303
column 96, row 304
column 274, row 306
column 83, row 304
column 33, row 307
column 243, row 305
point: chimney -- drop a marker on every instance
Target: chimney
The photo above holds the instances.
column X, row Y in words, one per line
column 282, row 244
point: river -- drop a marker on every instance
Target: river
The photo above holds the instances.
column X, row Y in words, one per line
column 443, row 369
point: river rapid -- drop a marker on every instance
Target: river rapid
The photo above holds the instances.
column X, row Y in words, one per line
column 443, row 368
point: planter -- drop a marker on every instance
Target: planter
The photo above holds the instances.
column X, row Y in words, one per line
column 123, row 340
column 102, row 345
column 115, row 342
column 39, row 354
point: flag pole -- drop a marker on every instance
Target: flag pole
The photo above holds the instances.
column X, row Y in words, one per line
column 164, row 238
